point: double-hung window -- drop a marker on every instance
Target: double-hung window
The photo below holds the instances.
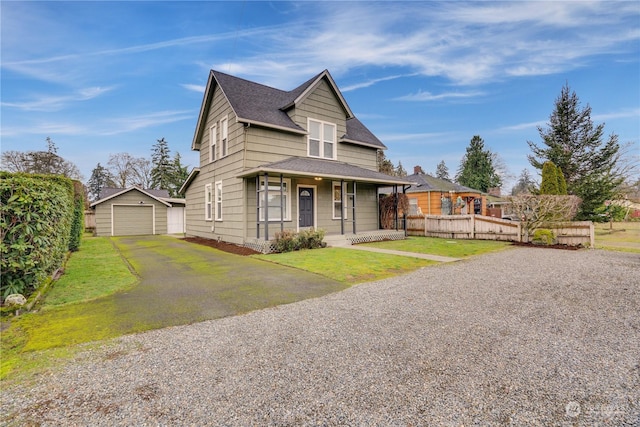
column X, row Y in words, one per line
column 279, row 200
column 208, row 202
column 321, row 140
column 338, row 188
column 218, row 200
column 224, row 140
column 212, row 143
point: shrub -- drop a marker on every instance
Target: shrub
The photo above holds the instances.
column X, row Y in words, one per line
column 36, row 212
column 77, row 224
column 288, row 241
column 543, row 236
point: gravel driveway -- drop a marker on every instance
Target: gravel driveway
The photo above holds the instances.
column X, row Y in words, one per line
column 520, row 337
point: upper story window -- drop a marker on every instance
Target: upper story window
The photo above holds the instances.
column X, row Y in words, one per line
column 212, row 143
column 321, row 140
column 224, row 140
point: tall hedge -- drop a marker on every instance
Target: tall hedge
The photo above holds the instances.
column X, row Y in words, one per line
column 36, row 213
column 77, row 223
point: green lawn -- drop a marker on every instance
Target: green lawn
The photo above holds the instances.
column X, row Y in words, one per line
column 96, row 259
column 442, row 247
column 619, row 236
column 346, row 265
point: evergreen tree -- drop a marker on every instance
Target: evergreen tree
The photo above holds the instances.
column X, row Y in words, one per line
column 442, row 171
column 574, row 145
column 562, row 183
column 100, row 178
column 179, row 175
column 161, row 169
column 477, row 170
column 384, row 165
column 549, row 184
column 400, row 171
column 525, row 184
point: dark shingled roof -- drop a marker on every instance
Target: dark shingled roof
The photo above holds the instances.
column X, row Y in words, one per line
column 254, row 102
column 330, row 169
column 109, row 191
column 424, row 182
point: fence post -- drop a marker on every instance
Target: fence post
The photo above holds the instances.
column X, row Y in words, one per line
column 473, row 226
column 519, row 232
column 592, row 235
column 425, row 225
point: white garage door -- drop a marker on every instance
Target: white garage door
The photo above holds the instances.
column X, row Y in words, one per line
column 132, row 220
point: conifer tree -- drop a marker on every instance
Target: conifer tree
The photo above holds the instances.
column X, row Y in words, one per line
column 442, row 171
column 477, row 170
column 573, row 144
column 549, row 184
column 161, row 169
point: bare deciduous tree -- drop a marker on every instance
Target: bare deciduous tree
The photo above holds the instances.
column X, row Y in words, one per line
column 537, row 210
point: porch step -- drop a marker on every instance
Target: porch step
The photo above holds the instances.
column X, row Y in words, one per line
column 337, row 240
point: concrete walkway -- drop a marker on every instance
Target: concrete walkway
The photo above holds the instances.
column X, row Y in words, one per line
column 402, row 253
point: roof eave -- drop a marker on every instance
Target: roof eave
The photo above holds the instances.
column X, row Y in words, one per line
column 126, row 190
column 192, row 175
column 259, row 170
column 366, row 144
column 250, row 122
column 334, row 87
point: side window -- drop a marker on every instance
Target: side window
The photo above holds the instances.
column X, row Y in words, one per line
column 212, row 143
column 208, row 203
column 218, row 198
column 337, row 201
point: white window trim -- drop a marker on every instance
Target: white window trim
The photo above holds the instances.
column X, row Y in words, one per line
column 322, row 140
column 217, row 199
column 276, row 181
column 224, row 137
column 212, row 143
column 208, row 203
column 333, row 201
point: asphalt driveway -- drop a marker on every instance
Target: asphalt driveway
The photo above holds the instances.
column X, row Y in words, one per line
column 182, row 282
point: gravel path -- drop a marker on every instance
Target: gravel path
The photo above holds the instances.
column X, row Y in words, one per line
column 520, row 337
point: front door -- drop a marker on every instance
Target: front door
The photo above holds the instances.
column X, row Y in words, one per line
column 305, row 207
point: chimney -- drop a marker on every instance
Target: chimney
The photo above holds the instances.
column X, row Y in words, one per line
column 418, row 170
column 495, row 191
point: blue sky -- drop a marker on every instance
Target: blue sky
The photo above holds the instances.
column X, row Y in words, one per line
column 106, row 77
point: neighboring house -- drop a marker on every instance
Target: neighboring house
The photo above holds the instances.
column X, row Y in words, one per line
column 272, row 160
column 433, row 196
column 136, row 211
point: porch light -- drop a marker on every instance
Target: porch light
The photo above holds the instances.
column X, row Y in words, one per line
column 318, row 178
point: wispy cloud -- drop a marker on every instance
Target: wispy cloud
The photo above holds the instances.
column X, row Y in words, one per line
column 623, row 114
column 126, row 124
column 55, row 103
column 194, row 87
column 522, row 126
column 428, row 96
column 372, row 82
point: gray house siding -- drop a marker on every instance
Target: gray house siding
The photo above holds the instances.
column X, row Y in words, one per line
column 263, row 134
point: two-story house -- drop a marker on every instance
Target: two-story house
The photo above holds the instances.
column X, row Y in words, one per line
column 272, row 160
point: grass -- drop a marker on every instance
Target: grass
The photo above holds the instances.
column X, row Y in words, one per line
column 347, row 266
column 442, row 247
column 618, row 236
column 97, row 258
column 63, row 319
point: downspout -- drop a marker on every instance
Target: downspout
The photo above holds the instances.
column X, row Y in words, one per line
column 281, row 203
column 266, row 206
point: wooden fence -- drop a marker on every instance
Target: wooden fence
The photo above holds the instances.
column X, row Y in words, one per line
column 490, row 228
column 90, row 220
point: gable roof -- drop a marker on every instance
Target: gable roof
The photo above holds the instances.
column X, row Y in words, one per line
column 330, row 169
column 423, row 182
column 110, row 193
column 260, row 105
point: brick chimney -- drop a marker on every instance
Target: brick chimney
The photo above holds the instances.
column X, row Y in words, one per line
column 417, row 170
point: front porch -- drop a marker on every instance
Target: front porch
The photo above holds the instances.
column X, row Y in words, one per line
column 335, row 240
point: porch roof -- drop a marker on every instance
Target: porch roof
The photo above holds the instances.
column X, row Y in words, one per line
column 329, row 169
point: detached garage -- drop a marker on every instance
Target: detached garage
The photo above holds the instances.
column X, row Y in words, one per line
column 135, row 211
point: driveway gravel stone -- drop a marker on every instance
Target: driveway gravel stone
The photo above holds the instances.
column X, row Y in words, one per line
column 520, row 337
